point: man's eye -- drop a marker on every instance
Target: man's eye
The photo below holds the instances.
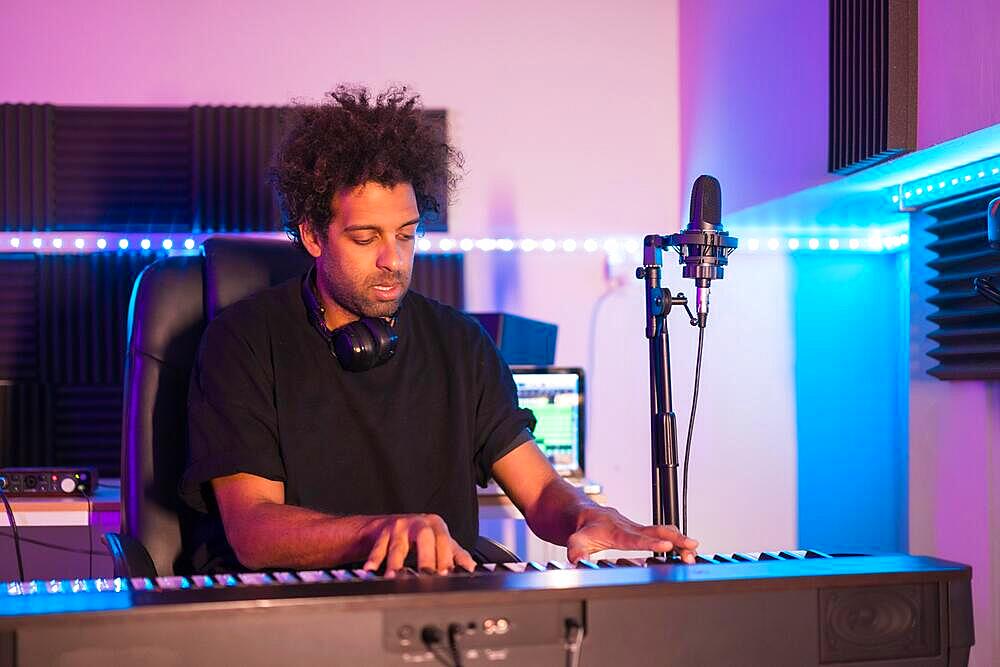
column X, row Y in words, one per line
column 364, row 241
column 406, row 237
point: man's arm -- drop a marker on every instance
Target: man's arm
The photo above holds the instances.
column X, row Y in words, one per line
column 560, row 513
column 266, row 533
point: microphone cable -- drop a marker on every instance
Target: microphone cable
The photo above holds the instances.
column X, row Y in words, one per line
column 687, row 447
column 17, row 536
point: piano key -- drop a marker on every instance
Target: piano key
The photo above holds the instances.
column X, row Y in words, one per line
column 743, row 557
column 584, row 564
column 226, row 580
column 557, row 565
column 33, row 587
column 769, row 555
column 364, row 575
column 656, row 560
column 315, row 576
column 723, row 558
column 14, row 588
column 812, row 553
column 792, row 555
column 285, row 577
column 490, row 567
column 202, row 581
column 514, row 567
column 606, row 563
column 142, row 583
column 704, row 559
column 172, row 583
column 255, row 578
column 632, row 562
column 339, row 575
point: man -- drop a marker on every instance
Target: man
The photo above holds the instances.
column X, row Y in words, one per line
column 302, row 463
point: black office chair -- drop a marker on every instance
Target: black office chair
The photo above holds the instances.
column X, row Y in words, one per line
column 172, row 300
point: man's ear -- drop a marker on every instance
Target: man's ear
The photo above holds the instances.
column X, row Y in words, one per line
column 310, row 239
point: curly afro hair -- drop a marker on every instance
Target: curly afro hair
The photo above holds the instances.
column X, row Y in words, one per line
column 354, row 138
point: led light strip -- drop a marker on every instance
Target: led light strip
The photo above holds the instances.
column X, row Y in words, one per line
column 616, row 248
column 933, row 188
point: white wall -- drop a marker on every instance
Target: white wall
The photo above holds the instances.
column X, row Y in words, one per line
column 568, row 116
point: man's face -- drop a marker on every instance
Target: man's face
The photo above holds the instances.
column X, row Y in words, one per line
column 364, row 266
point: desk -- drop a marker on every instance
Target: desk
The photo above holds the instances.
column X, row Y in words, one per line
column 59, row 534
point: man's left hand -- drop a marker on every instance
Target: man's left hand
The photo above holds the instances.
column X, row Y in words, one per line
column 603, row 528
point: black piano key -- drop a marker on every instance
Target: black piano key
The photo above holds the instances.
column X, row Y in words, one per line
column 584, row 564
column 631, row 562
column 656, row 560
column 704, row 559
column 812, row 553
column 792, row 555
column 769, row 555
column 604, row 562
column 743, row 558
column 557, row 565
column 537, row 567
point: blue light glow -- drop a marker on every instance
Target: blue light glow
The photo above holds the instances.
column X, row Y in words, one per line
column 167, row 244
column 123, row 244
column 144, row 244
column 189, row 244
column 102, row 244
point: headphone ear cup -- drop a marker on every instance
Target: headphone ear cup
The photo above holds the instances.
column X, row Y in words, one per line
column 364, row 344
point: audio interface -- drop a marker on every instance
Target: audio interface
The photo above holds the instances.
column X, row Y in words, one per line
column 48, row 482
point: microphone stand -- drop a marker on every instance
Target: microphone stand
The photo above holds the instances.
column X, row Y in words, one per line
column 663, row 424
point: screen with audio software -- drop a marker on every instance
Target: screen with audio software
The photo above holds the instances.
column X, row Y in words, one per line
column 555, row 396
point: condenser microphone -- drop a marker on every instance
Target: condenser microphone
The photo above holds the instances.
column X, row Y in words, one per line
column 704, row 246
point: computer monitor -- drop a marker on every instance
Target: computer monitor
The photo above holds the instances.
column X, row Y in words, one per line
column 556, row 396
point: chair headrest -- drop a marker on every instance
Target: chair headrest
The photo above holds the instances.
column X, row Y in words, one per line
column 235, row 268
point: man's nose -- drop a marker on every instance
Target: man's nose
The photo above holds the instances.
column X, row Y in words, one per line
column 390, row 256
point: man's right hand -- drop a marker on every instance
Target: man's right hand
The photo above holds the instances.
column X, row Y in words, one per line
column 393, row 536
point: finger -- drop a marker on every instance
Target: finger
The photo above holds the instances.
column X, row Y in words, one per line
column 671, row 533
column 577, row 549
column 445, row 550
column 425, row 549
column 399, row 546
column 463, row 558
column 377, row 554
column 688, row 556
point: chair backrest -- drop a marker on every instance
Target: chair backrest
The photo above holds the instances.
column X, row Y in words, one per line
column 172, row 300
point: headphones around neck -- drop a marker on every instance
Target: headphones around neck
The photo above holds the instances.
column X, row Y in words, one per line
column 358, row 346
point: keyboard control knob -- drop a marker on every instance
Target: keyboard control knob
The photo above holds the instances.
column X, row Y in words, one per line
column 67, row 485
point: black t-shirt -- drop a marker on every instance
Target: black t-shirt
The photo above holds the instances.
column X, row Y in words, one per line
column 412, row 435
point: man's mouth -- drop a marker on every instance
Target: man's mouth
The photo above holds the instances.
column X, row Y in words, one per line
column 388, row 291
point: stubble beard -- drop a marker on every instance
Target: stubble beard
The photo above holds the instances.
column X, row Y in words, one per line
column 351, row 293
